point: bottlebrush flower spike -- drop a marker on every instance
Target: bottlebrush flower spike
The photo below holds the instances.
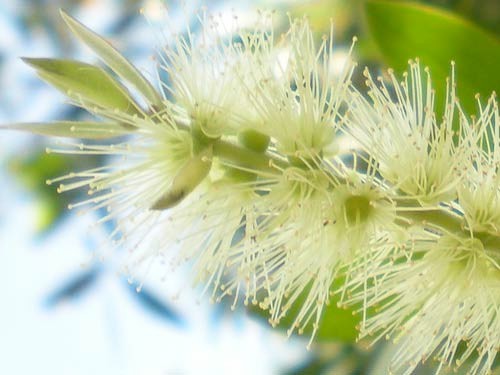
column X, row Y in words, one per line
column 315, row 227
column 443, row 289
column 238, row 164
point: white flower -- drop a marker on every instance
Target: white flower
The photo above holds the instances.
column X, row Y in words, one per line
column 306, row 234
column 479, row 193
column 302, row 112
column 442, row 287
column 205, row 72
column 141, row 171
column 363, row 210
column 203, row 228
column 416, row 152
column 433, row 303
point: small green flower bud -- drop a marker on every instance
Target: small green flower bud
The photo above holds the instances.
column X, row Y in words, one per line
column 357, row 209
column 186, row 180
column 254, row 140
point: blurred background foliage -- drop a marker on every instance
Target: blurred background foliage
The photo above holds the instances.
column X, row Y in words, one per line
column 389, row 32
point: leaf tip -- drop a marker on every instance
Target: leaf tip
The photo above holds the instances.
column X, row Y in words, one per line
column 38, row 63
column 64, row 15
column 28, row 60
column 70, row 21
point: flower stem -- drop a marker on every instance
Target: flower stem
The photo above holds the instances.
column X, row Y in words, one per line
column 246, row 158
column 441, row 219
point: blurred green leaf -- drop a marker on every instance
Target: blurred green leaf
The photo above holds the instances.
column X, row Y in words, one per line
column 114, row 59
column 30, row 171
column 49, row 209
column 334, row 359
column 33, row 168
column 84, row 83
column 319, row 13
column 75, row 129
column 343, row 15
column 336, row 324
column 404, row 31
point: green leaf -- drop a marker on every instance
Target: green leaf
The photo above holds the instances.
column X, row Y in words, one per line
column 74, row 129
column 34, row 166
column 404, row 31
column 336, row 324
column 84, row 83
column 114, row 59
column 319, row 13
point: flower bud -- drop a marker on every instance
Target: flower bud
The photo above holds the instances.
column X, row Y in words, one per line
column 186, row 180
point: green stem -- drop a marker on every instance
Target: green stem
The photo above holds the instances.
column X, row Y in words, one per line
column 246, row 158
column 436, row 218
column 444, row 220
column 439, row 219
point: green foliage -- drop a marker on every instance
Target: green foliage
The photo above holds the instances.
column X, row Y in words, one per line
column 84, row 83
column 37, row 167
column 320, row 13
column 30, row 170
column 337, row 324
column 119, row 64
column 407, row 30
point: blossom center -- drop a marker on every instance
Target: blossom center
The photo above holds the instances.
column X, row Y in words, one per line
column 357, row 209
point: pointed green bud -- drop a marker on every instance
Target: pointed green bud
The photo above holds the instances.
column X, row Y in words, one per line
column 186, row 180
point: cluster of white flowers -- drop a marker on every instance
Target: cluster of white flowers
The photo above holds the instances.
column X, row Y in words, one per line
column 240, row 163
